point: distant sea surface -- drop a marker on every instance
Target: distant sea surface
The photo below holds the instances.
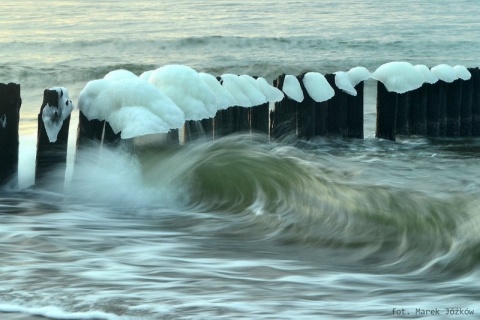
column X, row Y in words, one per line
column 241, row 227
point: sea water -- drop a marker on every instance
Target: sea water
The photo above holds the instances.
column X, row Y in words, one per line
column 240, row 227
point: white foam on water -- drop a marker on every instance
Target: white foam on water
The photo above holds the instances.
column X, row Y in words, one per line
column 52, row 312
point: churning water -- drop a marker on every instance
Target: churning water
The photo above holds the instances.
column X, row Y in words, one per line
column 241, row 227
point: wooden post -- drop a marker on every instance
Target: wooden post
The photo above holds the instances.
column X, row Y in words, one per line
column 418, row 110
column 386, row 113
column 355, row 113
column 442, row 108
column 259, row 118
column 10, row 103
column 337, row 110
column 475, row 102
column 285, row 115
column 50, row 155
column 306, row 114
column 207, row 126
column 466, row 108
column 453, row 105
column 433, row 108
column 403, row 113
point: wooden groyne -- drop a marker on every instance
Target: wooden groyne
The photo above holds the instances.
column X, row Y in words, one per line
column 440, row 109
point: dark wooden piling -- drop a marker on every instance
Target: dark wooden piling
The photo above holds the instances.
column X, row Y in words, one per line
column 50, row 155
column 231, row 120
column 337, row 123
column 442, row 108
column 259, row 118
column 466, row 108
column 207, row 126
column 386, row 113
column 453, row 103
column 306, row 113
column 475, row 101
column 284, row 120
column 434, row 97
column 355, row 113
column 403, row 113
column 98, row 131
column 10, row 103
column 418, row 110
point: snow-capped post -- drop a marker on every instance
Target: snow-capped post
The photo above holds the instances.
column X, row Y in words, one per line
column 337, row 110
column 447, row 108
column 398, row 78
column 52, row 136
column 306, row 113
column 352, row 82
column 454, row 101
column 386, row 113
column 434, row 99
column 260, row 114
column 88, row 130
column 285, row 114
column 466, row 107
column 10, row 102
column 475, row 101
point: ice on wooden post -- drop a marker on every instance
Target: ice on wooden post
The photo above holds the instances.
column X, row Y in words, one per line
column 393, row 106
column 357, row 76
column 10, row 103
column 316, row 91
column 52, row 137
column 449, row 92
column 475, row 101
column 419, row 102
column 259, row 115
column 131, row 106
column 283, row 120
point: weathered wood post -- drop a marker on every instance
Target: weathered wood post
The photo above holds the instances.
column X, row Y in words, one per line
column 434, row 99
column 403, row 113
column 453, row 105
column 386, row 113
column 52, row 135
column 207, row 126
column 355, row 112
column 475, row 102
column 337, row 110
column 259, row 118
column 10, row 103
column 418, row 110
column 285, row 113
column 306, row 113
column 466, row 108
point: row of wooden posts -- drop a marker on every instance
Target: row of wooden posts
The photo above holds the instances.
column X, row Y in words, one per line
column 440, row 109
